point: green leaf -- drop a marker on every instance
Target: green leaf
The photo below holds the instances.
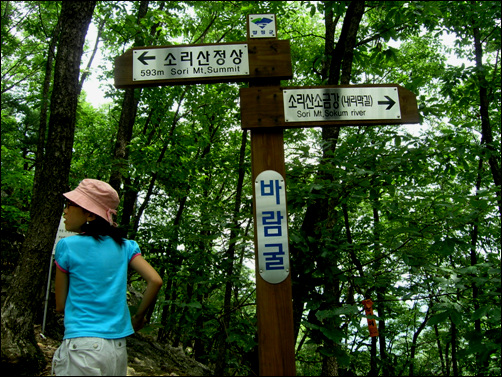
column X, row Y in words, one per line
column 481, row 312
column 333, row 334
column 323, row 314
column 349, row 309
column 194, row 304
column 445, row 247
column 438, row 318
column 397, row 141
column 456, row 317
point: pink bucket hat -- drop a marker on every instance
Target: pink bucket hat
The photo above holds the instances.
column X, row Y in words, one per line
column 97, row 197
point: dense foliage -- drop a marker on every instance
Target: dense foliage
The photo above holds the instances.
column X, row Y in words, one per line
column 413, row 213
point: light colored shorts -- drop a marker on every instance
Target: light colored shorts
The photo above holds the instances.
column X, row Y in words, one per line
column 91, row 357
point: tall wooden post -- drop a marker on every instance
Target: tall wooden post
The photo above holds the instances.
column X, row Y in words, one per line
column 276, row 346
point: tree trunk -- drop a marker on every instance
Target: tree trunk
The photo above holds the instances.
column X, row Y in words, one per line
column 87, row 69
column 454, row 348
column 330, row 366
column 385, row 366
column 415, row 339
column 20, row 353
column 481, row 363
column 323, row 210
column 132, row 191
column 373, row 357
column 486, row 128
column 447, row 358
column 39, row 158
column 175, row 262
column 229, row 262
column 127, row 119
column 381, row 331
column 440, row 350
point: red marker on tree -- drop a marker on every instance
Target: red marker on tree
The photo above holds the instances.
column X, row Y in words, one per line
column 368, row 308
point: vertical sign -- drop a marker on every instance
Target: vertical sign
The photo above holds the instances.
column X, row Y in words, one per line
column 62, row 233
column 272, row 227
column 262, row 26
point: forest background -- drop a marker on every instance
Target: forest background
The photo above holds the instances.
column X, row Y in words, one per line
column 408, row 216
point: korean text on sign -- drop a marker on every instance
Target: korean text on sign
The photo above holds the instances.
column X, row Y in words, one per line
column 181, row 62
column 327, row 100
column 272, row 226
column 343, row 103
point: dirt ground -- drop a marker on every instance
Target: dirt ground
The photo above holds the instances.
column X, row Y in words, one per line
column 145, row 357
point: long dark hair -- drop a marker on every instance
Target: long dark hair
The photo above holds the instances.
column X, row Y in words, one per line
column 100, row 227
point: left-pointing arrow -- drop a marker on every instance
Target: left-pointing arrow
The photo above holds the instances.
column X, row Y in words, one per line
column 389, row 102
column 143, row 58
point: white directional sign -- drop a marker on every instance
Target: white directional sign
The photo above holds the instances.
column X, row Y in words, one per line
column 190, row 61
column 272, row 226
column 335, row 104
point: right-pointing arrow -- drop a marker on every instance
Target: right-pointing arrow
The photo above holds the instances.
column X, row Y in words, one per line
column 389, row 102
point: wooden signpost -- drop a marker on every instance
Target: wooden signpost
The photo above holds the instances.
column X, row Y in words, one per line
column 342, row 105
column 266, row 109
column 261, row 60
column 205, row 63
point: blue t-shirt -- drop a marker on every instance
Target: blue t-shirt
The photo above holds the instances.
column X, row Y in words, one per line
column 96, row 305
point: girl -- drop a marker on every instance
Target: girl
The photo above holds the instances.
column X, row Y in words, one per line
column 91, row 285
